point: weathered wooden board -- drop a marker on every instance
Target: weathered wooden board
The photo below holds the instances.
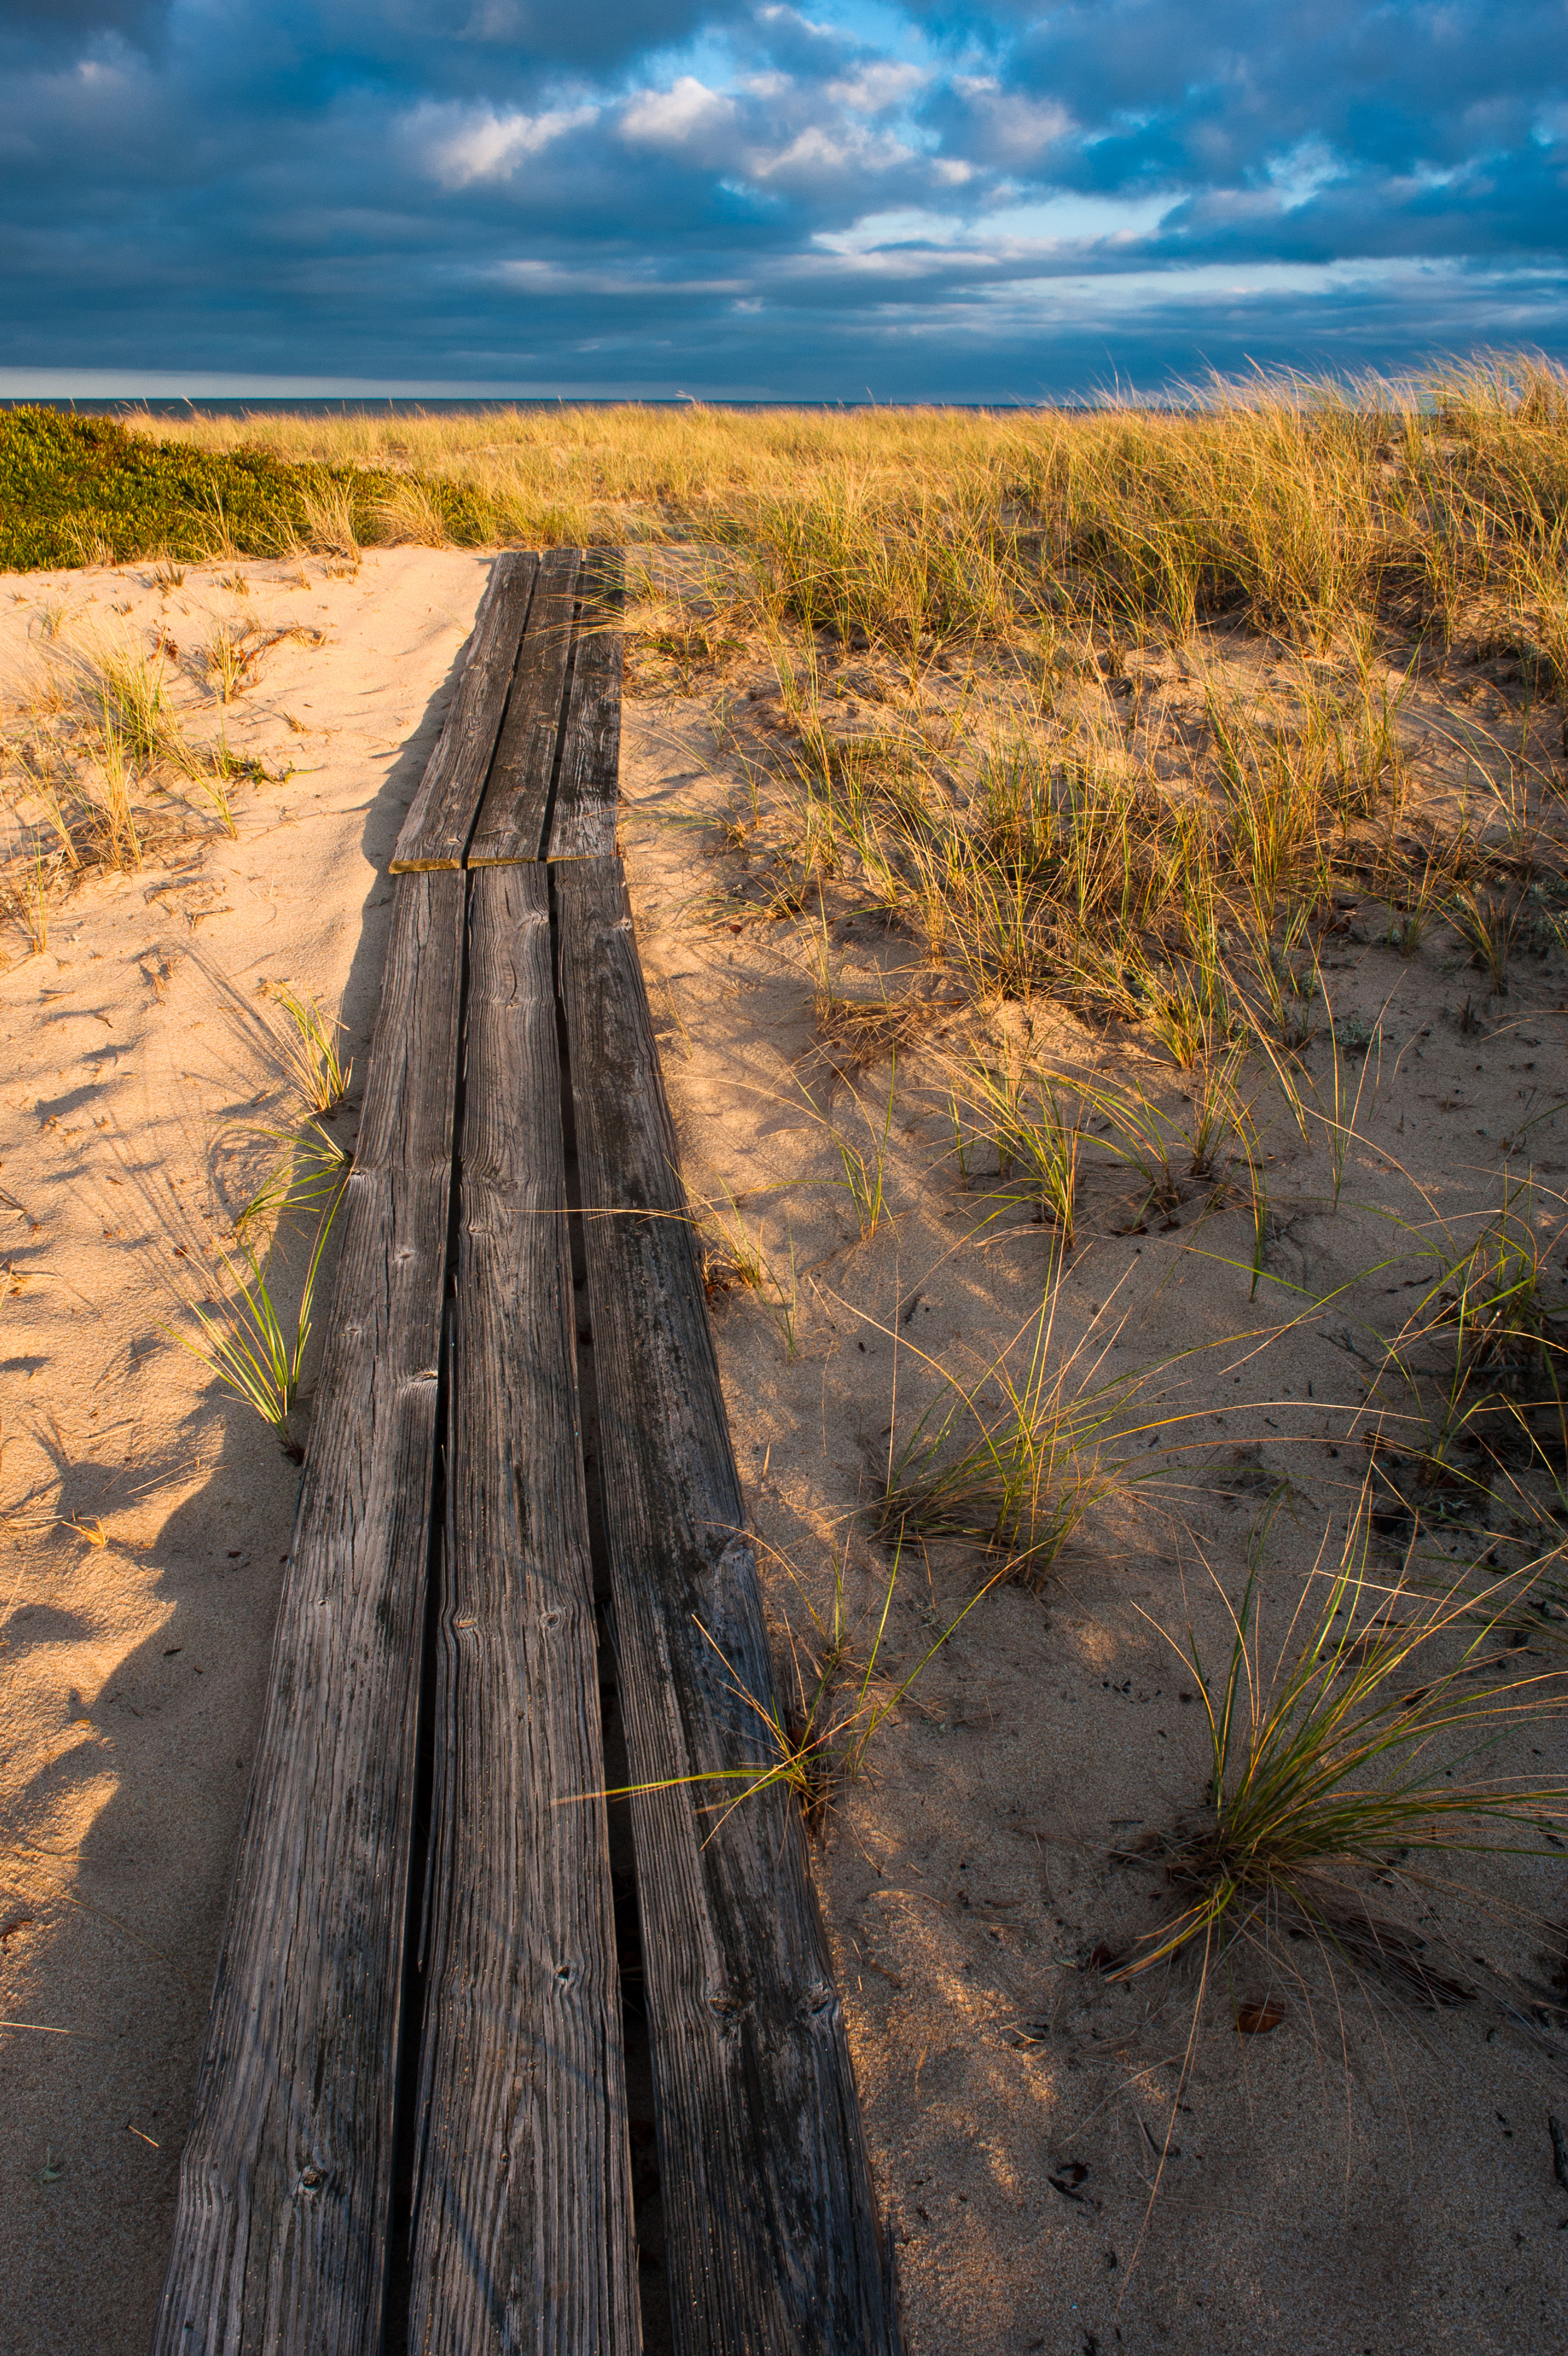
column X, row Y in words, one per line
column 517, row 800
column 584, row 822
column 773, row 2244
column 440, row 818
column 521, row 2205
column 280, row 2234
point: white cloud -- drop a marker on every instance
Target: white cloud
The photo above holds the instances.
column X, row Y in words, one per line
column 758, row 133
column 816, row 153
column 910, row 225
column 1014, row 130
column 460, row 147
column 876, row 87
column 555, row 278
column 1041, row 233
column 677, row 117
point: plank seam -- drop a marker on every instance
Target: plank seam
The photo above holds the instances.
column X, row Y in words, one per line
column 653, row 2287
column 549, row 799
column 424, row 841
column 776, row 2245
column 474, row 827
column 410, row 2029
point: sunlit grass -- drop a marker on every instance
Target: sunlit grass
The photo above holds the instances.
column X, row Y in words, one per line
column 1371, row 1740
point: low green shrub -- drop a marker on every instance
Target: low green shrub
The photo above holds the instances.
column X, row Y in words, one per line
column 77, row 490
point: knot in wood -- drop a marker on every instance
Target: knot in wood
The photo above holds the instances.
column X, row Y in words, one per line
column 311, row 2180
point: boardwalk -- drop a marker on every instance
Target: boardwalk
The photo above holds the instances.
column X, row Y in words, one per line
column 519, row 1522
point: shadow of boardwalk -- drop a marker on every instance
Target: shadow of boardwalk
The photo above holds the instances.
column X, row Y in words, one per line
column 120, row 1929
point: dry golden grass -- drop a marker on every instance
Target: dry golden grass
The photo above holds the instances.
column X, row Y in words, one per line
column 1017, row 589
column 97, row 768
column 1302, row 505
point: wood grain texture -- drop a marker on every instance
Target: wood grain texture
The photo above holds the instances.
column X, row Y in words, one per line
column 521, row 2231
column 774, row 2246
column 512, row 819
column 281, row 2235
column 587, row 789
column 440, row 818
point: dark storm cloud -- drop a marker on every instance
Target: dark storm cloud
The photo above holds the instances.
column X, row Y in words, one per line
column 751, row 198
column 63, row 25
column 1215, row 89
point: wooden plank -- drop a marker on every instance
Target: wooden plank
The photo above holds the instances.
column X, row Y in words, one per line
column 512, row 819
column 280, row 2233
column 522, row 2230
column 773, row 2239
column 441, row 816
column 584, row 822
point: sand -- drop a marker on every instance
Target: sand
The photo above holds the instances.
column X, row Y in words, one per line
column 1355, row 2177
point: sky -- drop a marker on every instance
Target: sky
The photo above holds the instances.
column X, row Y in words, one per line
column 1002, row 202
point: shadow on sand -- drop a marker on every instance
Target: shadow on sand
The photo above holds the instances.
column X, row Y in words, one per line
column 136, row 1907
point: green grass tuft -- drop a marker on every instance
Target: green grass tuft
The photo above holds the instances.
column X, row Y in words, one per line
column 78, row 490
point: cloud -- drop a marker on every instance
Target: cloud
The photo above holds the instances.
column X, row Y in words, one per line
column 1007, row 126
column 63, row 25
column 1210, row 90
column 872, row 89
column 727, row 196
column 460, row 145
column 688, row 114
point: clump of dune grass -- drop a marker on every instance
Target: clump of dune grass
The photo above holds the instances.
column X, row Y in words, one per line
column 126, row 690
column 1014, row 1461
column 248, row 1344
column 410, row 512
column 1050, row 1129
column 307, row 1042
column 1033, row 1121
column 734, row 1260
column 104, row 772
column 27, row 894
column 1476, row 1376
column 816, row 1738
column 308, row 1174
column 330, row 526
column 856, row 1030
column 1488, row 923
column 230, row 656
column 1367, row 1743
column 121, row 843
column 684, row 641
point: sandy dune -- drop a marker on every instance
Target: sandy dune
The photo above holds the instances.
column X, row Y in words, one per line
column 1349, row 2181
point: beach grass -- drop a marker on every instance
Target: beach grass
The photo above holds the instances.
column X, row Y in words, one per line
column 1302, row 505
